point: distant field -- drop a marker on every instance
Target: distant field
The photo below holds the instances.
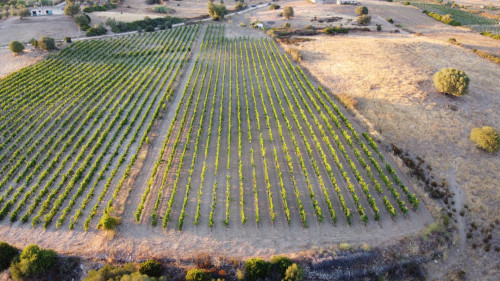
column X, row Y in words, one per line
column 465, row 18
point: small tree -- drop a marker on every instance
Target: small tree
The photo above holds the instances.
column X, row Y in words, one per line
column 451, row 81
column 151, row 268
column 216, row 11
column 294, row 273
column 281, row 263
column 288, row 12
column 23, row 13
column 83, row 21
column 33, row 261
column 362, row 10
column 47, row 43
column 364, row 19
column 196, row 274
column 16, row 47
column 486, row 138
column 7, row 254
column 256, row 268
column 71, row 9
column 274, row 7
column 240, row 6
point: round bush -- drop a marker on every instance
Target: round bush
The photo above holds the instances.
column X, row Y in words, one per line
column 451, row 81
column 364, row 19
column 362, row 10
column 151, row 268
column 16, row 47
column 281, row 263
column 294, row 273
column 196, row 274
column 256, row 268
column 47, row 43
column 486, row 138
column 7, row 254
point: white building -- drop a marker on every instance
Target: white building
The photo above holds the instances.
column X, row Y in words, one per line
column 46, row 11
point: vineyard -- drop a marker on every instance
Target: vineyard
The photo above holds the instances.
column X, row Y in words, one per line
column 253, row 142
column 250, row 139
column 72, row 125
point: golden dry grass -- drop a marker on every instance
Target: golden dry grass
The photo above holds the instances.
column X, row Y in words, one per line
column 391, row 78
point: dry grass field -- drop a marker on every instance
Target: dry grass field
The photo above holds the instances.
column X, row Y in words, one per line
column 23, row 30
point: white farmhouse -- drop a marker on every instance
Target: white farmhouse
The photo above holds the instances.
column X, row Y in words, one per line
column 46, row 11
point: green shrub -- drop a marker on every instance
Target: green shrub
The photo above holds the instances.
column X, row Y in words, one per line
column 162, row 10
column 216, row 11
column 274, row 7
column 451, row 81
column 242, row 24
column 149, row 28
column 196, row 274
column 487, row 56
column 362, row 10
column 364, row 19
column 293, row 273
column 406, row 3
column 97, row 30
column 110, row 272
column 390, row 20
column 287, row 25
column 16, row 47
column 7, row 254
column 256, row 268
column 151, row 268
column 83, row 21
column 447, row 19
column 454, row 42
column 240, row 6
column 281, row 263
column 335, row 30
column 379, row 27
column 33, row 42
column 492, row 35
column 486, row 138
column 345, row 246
column 108, row 222
column 288, row 12
column 32, row 262
column 67, row 39
column 47, row 43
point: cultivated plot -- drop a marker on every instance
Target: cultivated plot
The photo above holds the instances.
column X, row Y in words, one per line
column 72, row 125
column 253, row 142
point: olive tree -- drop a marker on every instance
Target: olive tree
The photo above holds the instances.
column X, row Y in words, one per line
column 16, row 47
column 23, row 13
column 288, row 12
column 216, row 11
column 71, row 9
